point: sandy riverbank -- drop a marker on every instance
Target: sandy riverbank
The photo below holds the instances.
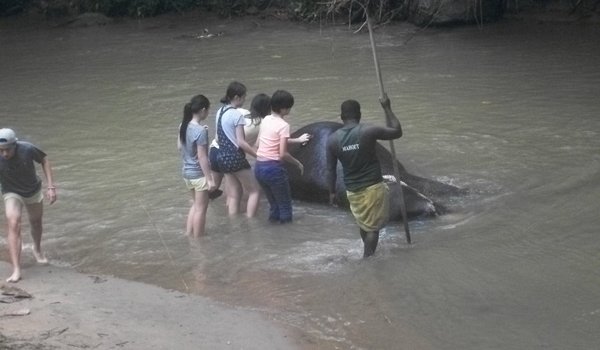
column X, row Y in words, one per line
column 69, row 310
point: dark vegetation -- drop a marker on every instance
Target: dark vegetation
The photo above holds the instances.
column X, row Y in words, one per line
column 300, row 10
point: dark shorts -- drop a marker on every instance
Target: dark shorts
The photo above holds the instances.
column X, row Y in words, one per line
column 231, row 162
column 213, row 153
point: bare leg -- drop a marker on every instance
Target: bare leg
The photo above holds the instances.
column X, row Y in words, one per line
column 189, row 229
column 218, row 178
column 14, row 209
column 36, row 212
column 251, row 187
column 199, row 217
column 370, row 240
column 234, row 193
column 225, row 185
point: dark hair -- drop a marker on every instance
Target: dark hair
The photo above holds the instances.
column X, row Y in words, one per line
column 260, row 108
column 234, row 89
column 196, row 104
column 351, row 110
column 281, row 99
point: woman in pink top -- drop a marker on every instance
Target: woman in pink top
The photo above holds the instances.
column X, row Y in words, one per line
column 272, row 151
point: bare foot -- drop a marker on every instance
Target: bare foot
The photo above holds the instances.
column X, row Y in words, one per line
column 40, row 257
column 15, row 277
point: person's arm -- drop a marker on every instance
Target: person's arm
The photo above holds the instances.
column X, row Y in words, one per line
column 241, row 141
column 205, row 166
column 331, row 169
column 251, row 135
column 300, row 139
column 51, row 189
column 393, row 130
column 257, row 141
column 290, row 159
column 286, row 156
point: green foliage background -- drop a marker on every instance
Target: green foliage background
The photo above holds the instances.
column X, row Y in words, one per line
column 131, row 8
column 305, row 10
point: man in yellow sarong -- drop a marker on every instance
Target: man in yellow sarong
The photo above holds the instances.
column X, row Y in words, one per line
column 354, row 146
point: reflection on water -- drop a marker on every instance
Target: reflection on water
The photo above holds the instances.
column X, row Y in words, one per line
column 509, row 111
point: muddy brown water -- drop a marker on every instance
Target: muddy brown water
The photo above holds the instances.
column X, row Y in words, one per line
column 509, row 111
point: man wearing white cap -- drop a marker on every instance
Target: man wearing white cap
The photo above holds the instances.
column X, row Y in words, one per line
column 22, row 187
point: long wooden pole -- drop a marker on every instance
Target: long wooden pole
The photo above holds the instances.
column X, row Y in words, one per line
column 392, row 148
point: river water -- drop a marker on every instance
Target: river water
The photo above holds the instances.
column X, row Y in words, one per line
column 509, row 111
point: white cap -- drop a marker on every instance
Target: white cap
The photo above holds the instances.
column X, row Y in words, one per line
column 7, row 137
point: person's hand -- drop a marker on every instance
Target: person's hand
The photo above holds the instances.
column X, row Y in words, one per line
column 51, row 194
column 332, row 200
column 385, row 101
column 304, row 138
column 211, row 185
column 301, row 167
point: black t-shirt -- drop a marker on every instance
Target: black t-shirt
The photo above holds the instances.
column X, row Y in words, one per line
column 18, row 175
column 358, row 158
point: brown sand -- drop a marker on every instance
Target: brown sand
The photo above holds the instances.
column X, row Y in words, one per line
column 69, row 310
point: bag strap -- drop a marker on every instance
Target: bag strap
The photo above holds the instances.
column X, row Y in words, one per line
column 223, row 110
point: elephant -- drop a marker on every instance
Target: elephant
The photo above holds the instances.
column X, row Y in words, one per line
column 423, row 197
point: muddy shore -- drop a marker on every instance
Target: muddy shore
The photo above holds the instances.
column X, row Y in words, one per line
column 70, row 310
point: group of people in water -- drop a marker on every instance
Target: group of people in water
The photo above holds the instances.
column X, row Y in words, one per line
column 262, row 132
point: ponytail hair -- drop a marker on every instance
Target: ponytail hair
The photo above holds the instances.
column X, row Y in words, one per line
column 234, row 89
column 196, row 104
column 260, row 108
